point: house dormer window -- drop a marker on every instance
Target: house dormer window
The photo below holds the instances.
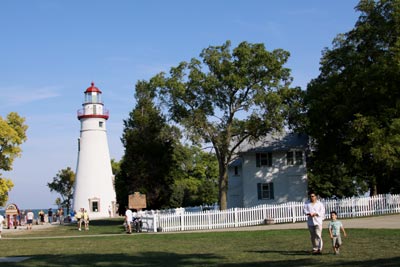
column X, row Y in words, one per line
column 294, row 158
column 264, row 159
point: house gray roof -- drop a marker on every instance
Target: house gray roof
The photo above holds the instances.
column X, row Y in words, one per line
column 276, row 142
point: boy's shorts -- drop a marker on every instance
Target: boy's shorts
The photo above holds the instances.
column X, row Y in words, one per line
column 337, row 240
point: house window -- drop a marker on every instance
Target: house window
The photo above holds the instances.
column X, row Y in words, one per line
column 101, row 124
column 264, row 159
column 294, row 158
column 289, row 158
column 299, row 157
column 236, row 170
column 265, row 190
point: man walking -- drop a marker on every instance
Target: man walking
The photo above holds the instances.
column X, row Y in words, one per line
column 128, row 220
column 315, row 211
column 29, row 218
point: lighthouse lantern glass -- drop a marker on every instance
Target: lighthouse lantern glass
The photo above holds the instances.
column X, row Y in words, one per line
column 92, row 97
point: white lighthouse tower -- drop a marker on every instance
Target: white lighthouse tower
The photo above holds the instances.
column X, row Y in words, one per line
column 94, row 181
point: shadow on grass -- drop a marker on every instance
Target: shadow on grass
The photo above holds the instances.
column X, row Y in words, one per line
column 143, row 259
column 173, row 259
column 387, row 262
column 283, row 252
column 106, row 222
column 106, row 226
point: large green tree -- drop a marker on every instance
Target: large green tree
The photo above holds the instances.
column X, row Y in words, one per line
column 354, row 106
column 229, row 96
column 12, row 135
column 63, row 184
column 195, row 178
column 149, row 146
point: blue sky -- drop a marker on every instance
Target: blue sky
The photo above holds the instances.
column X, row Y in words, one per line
column 50, row 52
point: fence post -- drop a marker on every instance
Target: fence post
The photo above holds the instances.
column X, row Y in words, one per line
column 236, row 217
column 155, row 223
column 264, row 212
column 209, row 219
column 293, row 211
column 182, row 222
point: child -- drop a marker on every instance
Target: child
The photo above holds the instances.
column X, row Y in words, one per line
column 334, row 227
column 1, row 224
column 86, row 219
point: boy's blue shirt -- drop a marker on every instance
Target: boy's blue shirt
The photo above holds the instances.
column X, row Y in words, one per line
column 335, row 227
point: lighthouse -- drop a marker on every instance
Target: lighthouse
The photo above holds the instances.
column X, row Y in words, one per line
column 94, row 181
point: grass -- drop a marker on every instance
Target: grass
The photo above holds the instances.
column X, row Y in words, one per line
column 105, row 244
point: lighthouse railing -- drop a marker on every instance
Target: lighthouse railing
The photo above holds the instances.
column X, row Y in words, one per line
column 81, row 112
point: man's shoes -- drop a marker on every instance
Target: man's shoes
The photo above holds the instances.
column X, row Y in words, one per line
column 316, row 252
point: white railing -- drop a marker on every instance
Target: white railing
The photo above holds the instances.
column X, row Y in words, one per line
column 281, row 213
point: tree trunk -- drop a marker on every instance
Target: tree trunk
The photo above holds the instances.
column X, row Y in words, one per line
column 373, row 190
column 373, row 187
column 223, row 186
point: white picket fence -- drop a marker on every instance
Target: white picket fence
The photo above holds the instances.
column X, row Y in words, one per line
column 291, row 212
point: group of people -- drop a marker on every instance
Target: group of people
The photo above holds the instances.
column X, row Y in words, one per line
column 315, row 211
column 82, row 218
column 131, row 218
column 313, row 208
column 58, row 216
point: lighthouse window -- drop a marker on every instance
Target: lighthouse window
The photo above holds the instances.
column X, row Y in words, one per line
column 95, row 206
column 101, row 124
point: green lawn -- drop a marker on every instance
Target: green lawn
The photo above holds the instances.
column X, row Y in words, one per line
column 105, row 244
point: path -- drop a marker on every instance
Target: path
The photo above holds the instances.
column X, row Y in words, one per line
column 376, row 222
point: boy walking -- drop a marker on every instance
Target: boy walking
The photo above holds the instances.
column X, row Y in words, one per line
column 334, row 227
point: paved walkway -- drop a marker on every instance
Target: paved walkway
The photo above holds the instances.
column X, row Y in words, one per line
column 34, row 227
column 376, row 222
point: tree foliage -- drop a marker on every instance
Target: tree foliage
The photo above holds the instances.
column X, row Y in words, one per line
column 354, row 106
column 149, row 145
column 12, row 135
column 229, row 96
column 63, row 184
column 195, row 179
